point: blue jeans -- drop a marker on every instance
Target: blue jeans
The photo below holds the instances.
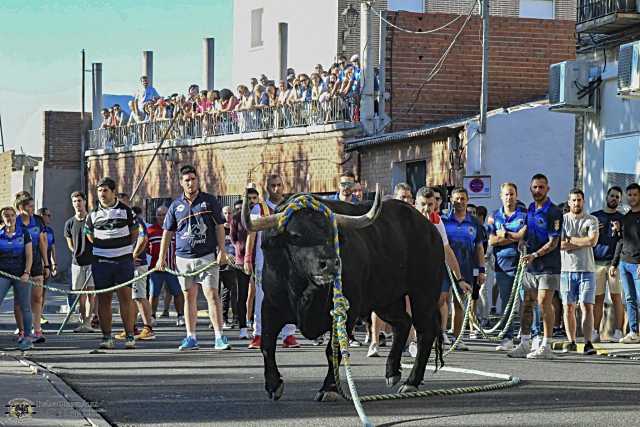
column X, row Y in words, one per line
column 631, row 285
column 504, row 282
column 21, row 296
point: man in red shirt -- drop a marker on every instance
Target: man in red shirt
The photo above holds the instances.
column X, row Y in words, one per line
column 158, row 278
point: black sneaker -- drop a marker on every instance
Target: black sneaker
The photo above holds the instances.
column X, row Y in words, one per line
column 569, row 346
column 588, row 349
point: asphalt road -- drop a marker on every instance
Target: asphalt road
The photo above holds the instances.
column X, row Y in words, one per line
column 157, row 385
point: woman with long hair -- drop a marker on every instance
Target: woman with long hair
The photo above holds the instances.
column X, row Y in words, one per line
column 15, row 259
column 40, row 268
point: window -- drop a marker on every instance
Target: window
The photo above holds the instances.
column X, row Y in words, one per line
column 408, row 5
column 540, row 9
column 256, row 27
column 416, row 175
column 621, row 160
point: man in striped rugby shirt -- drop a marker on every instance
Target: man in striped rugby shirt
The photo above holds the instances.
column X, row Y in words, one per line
column 112, row 229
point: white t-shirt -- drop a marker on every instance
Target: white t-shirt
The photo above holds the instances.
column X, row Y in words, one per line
column 443, row 232
column 255, row 213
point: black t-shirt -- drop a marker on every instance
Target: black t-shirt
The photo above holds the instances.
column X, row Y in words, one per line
column 628, row 248
column 82, row 248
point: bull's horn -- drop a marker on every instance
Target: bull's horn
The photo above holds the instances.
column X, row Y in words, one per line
column 257, row 224
column 365, row 220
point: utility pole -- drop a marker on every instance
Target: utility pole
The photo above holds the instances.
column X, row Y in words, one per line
column 1, row 135
column 83, row 129
column 484, row 95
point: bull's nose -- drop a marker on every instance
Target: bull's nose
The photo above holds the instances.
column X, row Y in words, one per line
column 329, row 265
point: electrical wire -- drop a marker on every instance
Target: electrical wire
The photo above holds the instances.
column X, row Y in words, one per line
column 438, row 65
column 435, row 30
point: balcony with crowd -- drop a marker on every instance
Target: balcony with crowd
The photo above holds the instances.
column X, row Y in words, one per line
column 325, row 96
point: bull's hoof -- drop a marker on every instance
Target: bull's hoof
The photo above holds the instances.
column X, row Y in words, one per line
column 391, row 381
column 327, row 396
column 277, row 393
column 407, row 388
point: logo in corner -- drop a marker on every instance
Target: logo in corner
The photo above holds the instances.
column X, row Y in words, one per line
column 20, row 408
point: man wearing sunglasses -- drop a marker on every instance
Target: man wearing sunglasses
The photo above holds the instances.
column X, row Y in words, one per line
column 347, row 184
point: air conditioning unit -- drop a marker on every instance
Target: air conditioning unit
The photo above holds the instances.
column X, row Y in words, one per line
column 629, row 70
column 569, row 88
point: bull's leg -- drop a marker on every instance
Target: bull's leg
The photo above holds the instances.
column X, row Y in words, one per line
column 329, row 390
column 400, row 321
column 272, row 323
column 427, row 329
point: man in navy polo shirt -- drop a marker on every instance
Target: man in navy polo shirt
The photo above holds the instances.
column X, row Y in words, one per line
column 542, row 279
column 196, row 219
column 465, row 234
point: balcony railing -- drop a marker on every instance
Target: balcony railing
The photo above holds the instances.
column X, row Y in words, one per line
column 302, row 114
column 602, row 15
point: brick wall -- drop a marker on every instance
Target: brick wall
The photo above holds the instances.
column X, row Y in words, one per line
column 6, row 166
column 521, row 51
column 377, row 162
column 306, row 163
column 61, row 139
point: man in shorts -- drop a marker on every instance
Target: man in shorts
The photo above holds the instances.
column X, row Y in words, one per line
column 578, row 281
column 542, row 279
column 158, row 279
column 609, row 226
column 111, row 228
column 81, row 259
column 197, row 222
column 465, row 235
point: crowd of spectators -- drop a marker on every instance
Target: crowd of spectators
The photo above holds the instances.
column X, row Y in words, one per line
column 324, row 96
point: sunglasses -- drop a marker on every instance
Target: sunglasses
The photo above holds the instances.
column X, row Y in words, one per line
column 347, row 184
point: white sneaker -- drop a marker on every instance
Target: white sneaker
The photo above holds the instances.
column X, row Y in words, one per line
column 83, row 329
column 462, row 346
column 180, row 321
column 505, row 345
column 617, row 336
column 473, row 336
column 521, row 351
column 413, row 349
column 445, row 339
column 535, row 343
column 244, row 334
column 367, row 338
column 373, row 350
column 595, row 336
column 630, row 338
column 543, row 352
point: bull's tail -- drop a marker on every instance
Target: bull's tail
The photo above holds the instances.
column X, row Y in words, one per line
column 439, row 342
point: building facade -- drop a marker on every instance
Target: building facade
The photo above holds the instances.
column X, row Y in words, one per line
column 17, row 173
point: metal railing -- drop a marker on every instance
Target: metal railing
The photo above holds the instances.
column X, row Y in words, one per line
column 301, row 114
column 588, row 10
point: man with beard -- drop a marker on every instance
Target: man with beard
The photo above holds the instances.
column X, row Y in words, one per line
column 275, row 190
column 609, row 220
column 627, row 257
column 542, row 279
column 577, row 281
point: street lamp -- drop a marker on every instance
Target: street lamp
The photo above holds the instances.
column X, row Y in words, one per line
column 350, row 17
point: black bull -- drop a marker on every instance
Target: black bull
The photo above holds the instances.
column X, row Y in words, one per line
column 400, row 253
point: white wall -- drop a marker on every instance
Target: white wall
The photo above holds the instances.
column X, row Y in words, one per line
column 520, row 144
column 617, row 117
column 313, row 37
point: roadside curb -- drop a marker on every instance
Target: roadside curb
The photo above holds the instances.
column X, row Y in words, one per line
column 75, row 400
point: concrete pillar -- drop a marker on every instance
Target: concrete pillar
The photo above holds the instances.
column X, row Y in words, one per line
column 96, row 93
column 283, row 43
column 147, row 65
column 208, row 62
column 366, row 78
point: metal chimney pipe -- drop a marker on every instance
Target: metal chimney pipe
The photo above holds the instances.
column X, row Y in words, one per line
column 283, row 42
column 208, row 62
column 147, row 65
column 96, row 93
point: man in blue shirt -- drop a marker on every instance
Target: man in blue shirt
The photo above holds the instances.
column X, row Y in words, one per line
column 542, row 279
column 347, row 183
column 465, row 235
column 506, row 228
column 609, row 220
column 196, row 219
column 146, row 94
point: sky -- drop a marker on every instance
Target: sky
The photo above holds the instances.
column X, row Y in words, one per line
column 41, row 41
